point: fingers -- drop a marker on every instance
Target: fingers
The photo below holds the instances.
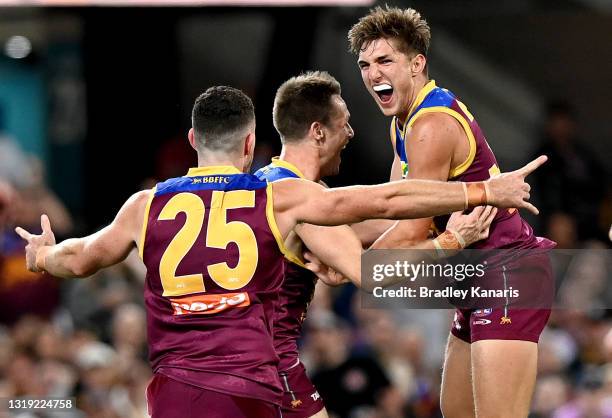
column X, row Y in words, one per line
column 492, row 214
column 477, row 211
column 532, row 166
column 312, row 262
column 308, row 256
column 531, row 208
column 23, row 233
column 45, row 224
column 455, row 215
column 484, row 234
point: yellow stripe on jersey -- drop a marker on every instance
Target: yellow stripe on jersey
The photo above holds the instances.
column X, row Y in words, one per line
column 276, row 232
column 460, row 169
column 393, row 131
column 145, row 222
column 417, row 102
column 213, row 170
column 286, row 164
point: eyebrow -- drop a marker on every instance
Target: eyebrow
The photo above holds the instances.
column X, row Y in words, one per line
column 377, row 59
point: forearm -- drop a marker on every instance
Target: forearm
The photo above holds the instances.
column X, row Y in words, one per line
column 63, row 260
column 336, row 247
column 424, row 198
column 369, row 231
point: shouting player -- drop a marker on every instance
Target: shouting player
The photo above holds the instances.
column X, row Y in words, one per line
column 490, row 366
column 313, row 124
column 213, row 242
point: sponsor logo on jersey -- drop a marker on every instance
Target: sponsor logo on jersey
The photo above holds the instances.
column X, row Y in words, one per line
column 209, row 304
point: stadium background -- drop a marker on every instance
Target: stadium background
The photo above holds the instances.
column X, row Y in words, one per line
column 100, row 106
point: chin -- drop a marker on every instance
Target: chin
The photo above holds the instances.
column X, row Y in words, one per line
column 331, row 171
column 387, row 111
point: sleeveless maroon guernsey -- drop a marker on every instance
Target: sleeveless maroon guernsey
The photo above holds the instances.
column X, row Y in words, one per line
column 214, row 268
column 508, row 230
column 297, row 289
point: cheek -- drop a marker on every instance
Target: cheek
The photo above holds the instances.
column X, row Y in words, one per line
column 364, row 77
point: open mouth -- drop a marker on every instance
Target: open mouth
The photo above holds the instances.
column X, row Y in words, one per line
column 384, row 92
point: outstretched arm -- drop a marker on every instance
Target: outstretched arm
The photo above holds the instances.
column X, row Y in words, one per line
column 297, row 201
column 81, row 257
column 335, row 253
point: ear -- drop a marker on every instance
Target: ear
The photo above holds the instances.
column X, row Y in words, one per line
column 191, row 136
column 249, row 144
column 316, row 132
column 248, row 152
column 418, row 64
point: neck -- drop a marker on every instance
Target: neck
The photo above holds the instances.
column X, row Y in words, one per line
column 420, row 82
column 209, row 158
column 305, row 157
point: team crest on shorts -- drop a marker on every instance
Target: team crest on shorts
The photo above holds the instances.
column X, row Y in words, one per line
column 505, row 320
column 295, row 403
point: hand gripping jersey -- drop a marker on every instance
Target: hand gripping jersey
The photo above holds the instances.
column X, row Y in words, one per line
column 508, row 230
column 297, row 289
column 214, row 266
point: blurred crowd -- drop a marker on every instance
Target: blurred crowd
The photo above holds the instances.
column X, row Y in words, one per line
column 86, row 339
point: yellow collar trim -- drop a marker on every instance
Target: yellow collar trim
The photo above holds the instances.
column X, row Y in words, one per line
column 286, row 164
column 427, row 88
column 212, row 170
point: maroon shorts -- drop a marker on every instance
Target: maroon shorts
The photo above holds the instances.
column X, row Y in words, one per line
column 301, row 399
column 169, row 398
column 522, row 318
column 499, row 324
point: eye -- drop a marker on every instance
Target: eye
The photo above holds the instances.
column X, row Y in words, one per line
column 363, row 66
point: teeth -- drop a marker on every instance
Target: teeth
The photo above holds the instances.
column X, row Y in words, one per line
column 382, row 87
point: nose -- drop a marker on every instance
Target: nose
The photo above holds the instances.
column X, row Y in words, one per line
column 374, row 72
column 351, row 132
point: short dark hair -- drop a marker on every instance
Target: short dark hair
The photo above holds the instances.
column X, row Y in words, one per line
column 219, row 115
column 406, row 25
column 302, row 100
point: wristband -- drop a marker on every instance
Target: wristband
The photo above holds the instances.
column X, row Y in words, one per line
column 448, row 240
column 439, row 249
column 458, row 236
column 476, row 194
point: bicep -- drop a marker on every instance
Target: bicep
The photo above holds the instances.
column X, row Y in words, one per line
column 429, row 148
column 113, row 243
column 301, row 201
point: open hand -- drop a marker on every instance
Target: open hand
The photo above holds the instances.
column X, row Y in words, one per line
column 474, row 226
column 326, row 274
column 35, row 242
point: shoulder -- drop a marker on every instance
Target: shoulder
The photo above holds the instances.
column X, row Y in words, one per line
column 435, row 129
column 291, row 192
column 136, row 205
column 140, row 198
